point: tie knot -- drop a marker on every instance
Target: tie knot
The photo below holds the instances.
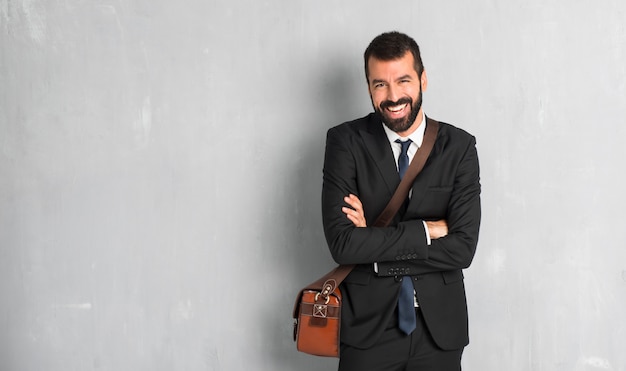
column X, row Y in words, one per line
column 405, row 145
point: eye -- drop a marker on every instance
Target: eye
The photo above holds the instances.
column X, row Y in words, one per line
column 379, row 85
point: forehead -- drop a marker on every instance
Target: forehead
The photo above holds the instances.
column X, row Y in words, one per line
column 388, row 70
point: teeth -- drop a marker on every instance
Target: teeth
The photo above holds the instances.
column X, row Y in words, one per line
column 396, row 108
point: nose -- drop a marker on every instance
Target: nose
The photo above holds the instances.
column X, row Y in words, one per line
column 393, row 93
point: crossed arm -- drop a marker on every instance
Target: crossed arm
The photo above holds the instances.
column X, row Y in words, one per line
column 436, row 229
column 351, row 198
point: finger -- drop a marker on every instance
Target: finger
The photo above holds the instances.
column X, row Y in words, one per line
column 355, row 205
column 348, row 211
column 358, row 222
column 356, row 201
column 352, row 212
column 354, row 217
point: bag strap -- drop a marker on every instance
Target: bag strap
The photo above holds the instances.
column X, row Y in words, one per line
column 416, row 166
column 330, row 281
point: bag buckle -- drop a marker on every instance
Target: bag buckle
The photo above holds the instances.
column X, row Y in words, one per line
column 320, row 310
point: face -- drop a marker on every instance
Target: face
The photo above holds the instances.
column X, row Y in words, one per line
column 396, row 92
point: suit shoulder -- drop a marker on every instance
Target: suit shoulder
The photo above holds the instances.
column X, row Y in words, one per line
column 352, row 126
column 455, row 133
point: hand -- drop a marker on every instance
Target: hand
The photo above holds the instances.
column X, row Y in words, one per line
column 437, row 229
column 355, row 211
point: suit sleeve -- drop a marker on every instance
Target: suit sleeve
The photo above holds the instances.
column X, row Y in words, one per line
column 457, row 249
column 345, row 164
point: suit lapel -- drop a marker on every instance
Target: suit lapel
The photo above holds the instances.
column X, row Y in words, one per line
column 421, row 183
column 377, row 144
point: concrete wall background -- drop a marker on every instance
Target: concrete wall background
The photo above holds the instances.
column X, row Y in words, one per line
column 160, row 175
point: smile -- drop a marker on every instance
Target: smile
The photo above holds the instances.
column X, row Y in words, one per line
column 397, row 109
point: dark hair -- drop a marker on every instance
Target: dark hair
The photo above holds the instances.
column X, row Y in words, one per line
column 393, row 45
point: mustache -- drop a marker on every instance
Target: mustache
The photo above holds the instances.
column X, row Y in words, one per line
column 400, row 101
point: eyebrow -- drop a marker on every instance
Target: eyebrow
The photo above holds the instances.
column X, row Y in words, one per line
column 403, row 77
column 407, row 76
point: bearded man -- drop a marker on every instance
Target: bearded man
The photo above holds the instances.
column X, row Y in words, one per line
column 429, row 242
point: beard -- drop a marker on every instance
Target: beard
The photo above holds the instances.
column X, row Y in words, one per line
column 402, row 124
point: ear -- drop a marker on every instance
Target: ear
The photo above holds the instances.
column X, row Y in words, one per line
column 424, row 81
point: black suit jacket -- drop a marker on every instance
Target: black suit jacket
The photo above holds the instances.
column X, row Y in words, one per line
column 359, row 160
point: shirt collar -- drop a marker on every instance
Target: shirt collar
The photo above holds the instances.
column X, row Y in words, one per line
column 417, row 136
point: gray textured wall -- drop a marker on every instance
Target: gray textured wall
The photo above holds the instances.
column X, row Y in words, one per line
column 160, row 175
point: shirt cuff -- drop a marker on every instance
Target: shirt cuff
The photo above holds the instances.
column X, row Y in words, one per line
column 427, row 233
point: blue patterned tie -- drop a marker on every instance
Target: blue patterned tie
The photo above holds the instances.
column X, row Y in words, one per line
column 406, row 306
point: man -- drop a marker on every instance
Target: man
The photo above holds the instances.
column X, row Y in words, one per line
column 432, row 238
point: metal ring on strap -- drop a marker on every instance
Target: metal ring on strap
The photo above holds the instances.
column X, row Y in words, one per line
column 317, row 296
